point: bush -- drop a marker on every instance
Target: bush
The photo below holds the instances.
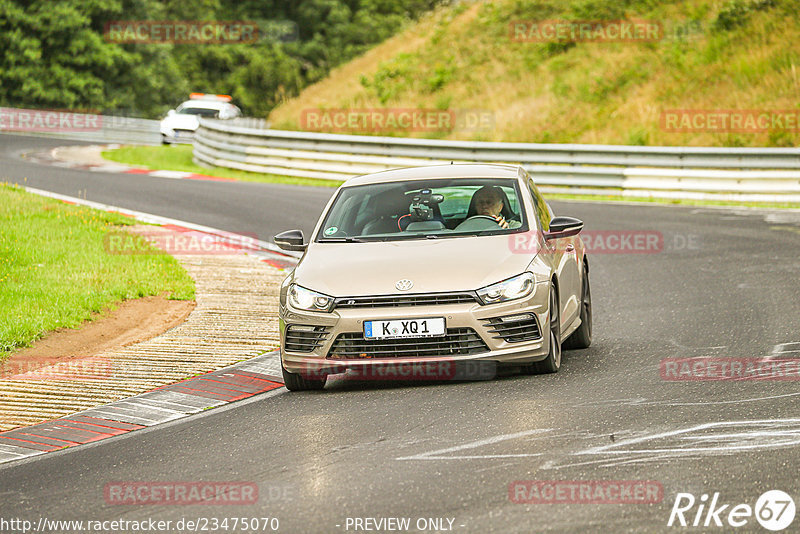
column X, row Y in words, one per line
column 736, row 12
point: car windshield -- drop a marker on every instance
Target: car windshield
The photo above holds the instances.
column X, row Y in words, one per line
column 421, row 209
column 203, row 112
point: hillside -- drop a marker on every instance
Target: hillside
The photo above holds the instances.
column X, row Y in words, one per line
column 709, row 55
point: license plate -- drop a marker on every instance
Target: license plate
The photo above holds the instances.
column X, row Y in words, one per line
column 404, row 328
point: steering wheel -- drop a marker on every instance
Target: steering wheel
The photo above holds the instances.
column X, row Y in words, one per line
column 480, row 217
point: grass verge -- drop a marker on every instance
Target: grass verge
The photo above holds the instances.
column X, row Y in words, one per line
column 179, row 158
column 55, row 271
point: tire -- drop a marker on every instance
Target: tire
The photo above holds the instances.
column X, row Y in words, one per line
column 552, row 363
column 296, row 382
column 582, row 337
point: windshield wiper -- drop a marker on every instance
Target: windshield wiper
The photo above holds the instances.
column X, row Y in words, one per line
column 344, row 240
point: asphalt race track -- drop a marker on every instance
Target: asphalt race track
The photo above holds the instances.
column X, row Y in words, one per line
column 258, row 210
column 723, row 284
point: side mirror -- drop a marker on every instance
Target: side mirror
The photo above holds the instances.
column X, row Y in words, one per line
column 291, row 240
column 563, row 227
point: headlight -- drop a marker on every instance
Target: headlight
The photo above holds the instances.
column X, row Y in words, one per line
column 305, row 299
column 513, row 288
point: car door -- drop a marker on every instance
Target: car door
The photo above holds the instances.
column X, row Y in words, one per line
column 563, row 252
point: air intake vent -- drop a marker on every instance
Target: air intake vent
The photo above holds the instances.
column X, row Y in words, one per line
column 457, row 341
column 396, row 301
column 304, row 338
column 514, row 328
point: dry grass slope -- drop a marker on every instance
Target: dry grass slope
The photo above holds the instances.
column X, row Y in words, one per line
column 737, row 54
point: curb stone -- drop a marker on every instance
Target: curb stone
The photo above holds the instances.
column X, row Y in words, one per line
column 167, row 403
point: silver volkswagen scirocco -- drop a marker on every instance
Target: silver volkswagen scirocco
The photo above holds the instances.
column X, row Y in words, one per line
column 431, row 265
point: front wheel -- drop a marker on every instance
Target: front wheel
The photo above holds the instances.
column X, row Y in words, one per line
column 297, row 382
column 582, row 337
column 552, row 363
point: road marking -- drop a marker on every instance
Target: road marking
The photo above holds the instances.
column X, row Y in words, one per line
column 640, row 401
column 436, row 455
column 785, row 348
column 723, row 437
column 603, row 462
column 735, row 401
column 792, row 347
column 11, row 452
column 760, row 437
column 616, row 402
column 175, row 175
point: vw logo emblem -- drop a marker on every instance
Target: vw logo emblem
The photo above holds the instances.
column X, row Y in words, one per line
column 404, row 285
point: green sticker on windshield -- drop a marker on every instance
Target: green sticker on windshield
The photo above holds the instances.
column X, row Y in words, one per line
column 332, row 230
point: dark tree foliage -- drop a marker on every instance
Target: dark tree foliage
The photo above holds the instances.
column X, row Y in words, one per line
column 53, row 54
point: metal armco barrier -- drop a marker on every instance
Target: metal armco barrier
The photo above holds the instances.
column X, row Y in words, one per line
column 747, row 174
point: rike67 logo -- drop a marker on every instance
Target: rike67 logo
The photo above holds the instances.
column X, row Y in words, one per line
column 774, row 510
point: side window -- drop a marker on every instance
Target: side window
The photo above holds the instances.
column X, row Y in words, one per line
column 542, row 209
column 513, row 201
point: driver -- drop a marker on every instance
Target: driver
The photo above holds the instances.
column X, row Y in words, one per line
column 489, row 202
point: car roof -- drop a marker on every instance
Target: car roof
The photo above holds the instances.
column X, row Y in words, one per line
column 433, row 172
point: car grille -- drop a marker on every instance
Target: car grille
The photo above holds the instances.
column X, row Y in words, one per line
column 304, row 338
column 456, row 342
column 396, row 301
column 514, row 328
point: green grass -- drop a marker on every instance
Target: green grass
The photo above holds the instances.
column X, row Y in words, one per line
column 55, row 271
column 179, row 158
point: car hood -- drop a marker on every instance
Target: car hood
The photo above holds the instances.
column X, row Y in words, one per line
column 181, row 121
column 433, row 265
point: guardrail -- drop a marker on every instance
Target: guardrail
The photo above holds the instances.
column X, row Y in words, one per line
column 747, row 174
column 80, row 126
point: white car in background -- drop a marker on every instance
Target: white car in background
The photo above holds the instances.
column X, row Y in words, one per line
column 180, row 124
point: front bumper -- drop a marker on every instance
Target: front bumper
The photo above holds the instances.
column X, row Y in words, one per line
column 322, row 360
